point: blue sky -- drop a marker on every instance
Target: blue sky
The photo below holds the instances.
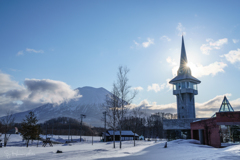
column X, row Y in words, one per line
column 82, row 43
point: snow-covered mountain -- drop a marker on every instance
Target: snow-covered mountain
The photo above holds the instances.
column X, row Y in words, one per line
column 89, row 104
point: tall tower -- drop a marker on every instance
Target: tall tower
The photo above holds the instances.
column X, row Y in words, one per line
column 185, row 87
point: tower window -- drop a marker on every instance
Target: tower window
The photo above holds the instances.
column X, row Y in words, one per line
column 174, row 87
column 179, row 85
column 182, row 107
column 182, row 116
column 183, row 84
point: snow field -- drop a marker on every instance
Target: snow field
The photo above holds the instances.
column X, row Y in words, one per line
column 144, row 150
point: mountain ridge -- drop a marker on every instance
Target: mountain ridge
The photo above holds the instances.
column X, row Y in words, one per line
column 89, row 104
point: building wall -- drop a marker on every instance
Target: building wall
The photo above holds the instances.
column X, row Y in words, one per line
column 210, row 131
column 228, row 118
column 179, row 124
column 185, row 105
column 211, row 127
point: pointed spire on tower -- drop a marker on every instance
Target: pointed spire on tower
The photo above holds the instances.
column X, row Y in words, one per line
column 183, row 68
column 184, row 71
column 183, row 58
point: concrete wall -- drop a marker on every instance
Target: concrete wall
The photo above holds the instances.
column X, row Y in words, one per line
column 185, row 105
column 179, row 124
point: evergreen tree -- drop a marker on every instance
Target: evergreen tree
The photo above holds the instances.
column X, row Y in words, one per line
column 30, row 127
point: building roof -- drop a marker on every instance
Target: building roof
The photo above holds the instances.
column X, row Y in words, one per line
column 225, row 106
column 184, row 72
column 124, row 133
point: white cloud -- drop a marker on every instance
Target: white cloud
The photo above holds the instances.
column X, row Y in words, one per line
column 148, row 43
column 198, row 70
column 171, row 61
column 137, row 44
column 6, row 83
column 165, row 38
column 138, row 88
column 33, row 93
column 169, row 86
column 33, row 50
column 181, row 29
column 203, row 110
column 233, row 56
column 218, row 44
column 206, row 48
column 49, row 91
column 20, row 53
column 14, row 70
column 235, row 40
column 155, row 87
column 208, row 108
column 154, row 107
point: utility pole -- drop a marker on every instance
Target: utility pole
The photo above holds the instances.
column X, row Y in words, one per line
column 46, row 131
column 68, row 130
column 163, row 136
column 52, row 131
column 82, row 116
column 105, row 119
column 92, row 138
column 38, row 134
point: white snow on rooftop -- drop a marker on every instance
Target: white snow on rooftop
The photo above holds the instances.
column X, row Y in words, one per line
column 124, row 133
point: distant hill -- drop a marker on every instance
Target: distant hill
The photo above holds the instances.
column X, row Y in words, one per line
column 89, row 104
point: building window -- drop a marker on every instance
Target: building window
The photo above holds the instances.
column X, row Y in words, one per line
column 182, row 107
column 183, row 84
column 195, row 86
column 182, row 116
column 174, row 87
column 179, row 85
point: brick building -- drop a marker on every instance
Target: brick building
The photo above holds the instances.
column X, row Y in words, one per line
column 222, row 128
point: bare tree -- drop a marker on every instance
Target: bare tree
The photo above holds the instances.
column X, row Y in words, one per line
column 137, row 114
column 112, row 106
column 125, row 94
column 7, row 125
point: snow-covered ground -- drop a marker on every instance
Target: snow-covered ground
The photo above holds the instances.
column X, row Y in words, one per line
column 144, row 150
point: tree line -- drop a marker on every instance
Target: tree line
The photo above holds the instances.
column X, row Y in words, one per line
column 30, row 129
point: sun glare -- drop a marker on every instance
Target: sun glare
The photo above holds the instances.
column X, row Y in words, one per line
column 193, row 68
